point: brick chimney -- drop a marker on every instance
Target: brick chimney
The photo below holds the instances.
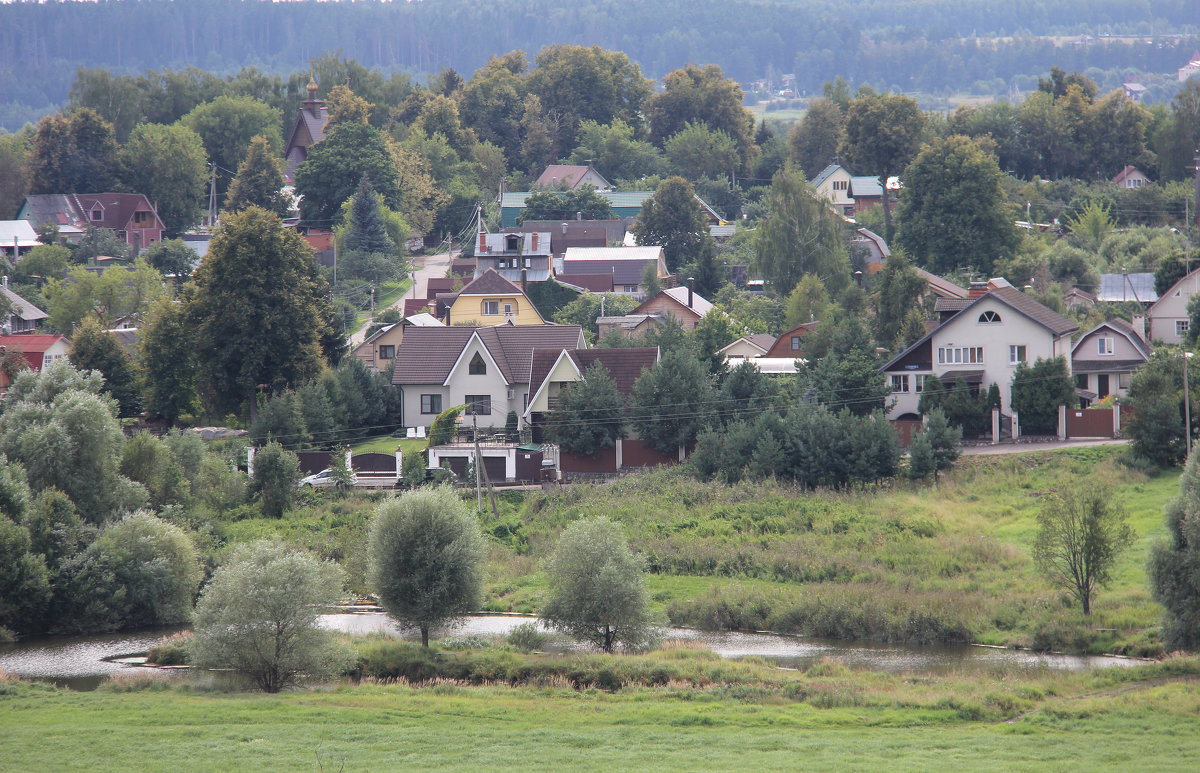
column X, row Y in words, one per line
column 977, row 290
column 482, row 242
column 534, row 246
column 691, row 290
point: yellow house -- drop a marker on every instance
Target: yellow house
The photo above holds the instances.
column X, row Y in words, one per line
column 492, row 300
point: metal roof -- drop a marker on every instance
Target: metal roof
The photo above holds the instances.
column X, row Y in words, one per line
column 1118, row 288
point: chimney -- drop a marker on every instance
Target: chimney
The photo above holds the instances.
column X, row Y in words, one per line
column 534, row 246
column 564, row 229
column 977, row 290
column 1139, row 325
column 691, row 290
column 579, row 215
column 482, row 242
column 525, row 280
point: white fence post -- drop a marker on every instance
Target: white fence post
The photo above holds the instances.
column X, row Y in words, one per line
column 250, row 461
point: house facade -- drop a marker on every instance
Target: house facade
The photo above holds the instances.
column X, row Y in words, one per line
column 1105, row 358
column 1130, row 177
column 791, row 343
column 577, row 233
column 748, row 347
column 39, row 351
column 491, row 299
column 624, row 264
column 833, row 184
column 982, row 344
column 1167, row 318
column 378, row 351
column 23, row 317
column 130, row 215
column 514, row 256
column 485, row 368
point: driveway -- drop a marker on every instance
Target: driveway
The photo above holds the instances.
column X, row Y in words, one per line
column 1017, row 448
column 427, row 266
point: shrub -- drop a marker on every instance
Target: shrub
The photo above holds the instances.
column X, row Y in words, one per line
column 527, row 637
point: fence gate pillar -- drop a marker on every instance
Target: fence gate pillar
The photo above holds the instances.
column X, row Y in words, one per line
column 399, row 460
column 250, row 461
column 1062, row 422
column 1016, row 425
column 620, row 453
column 995, row 426
column 1116, row 418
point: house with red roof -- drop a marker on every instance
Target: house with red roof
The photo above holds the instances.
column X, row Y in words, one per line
column 39, row 351
column 130, row 215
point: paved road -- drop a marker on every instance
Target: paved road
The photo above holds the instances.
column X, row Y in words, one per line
column 427, row 266
column 1017, row 448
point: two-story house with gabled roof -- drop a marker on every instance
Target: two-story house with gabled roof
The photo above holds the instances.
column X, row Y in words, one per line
column 1105, row 358
column 833, row 184
column 489, row 299
column 982, row 343
column 485, row 368
column 1167, row 318
column 130, row 215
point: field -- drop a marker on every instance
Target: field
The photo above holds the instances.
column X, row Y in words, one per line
column 898, row 562
column 828, row 718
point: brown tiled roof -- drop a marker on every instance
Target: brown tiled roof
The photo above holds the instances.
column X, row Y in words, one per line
column 566, row 175
column 951, row 304
column 625, row 365
column 427, row 354
column 118, row 208
column 763, row 341
column 1047, row 318
column 439, row 284
column 579, row 233
column 415, row 306
column 490, row 283
column 597, row 283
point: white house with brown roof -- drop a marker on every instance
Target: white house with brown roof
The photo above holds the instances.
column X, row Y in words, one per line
column 485, row 368
column 1130, row 177
column 982, row 344
column 624, row 264
column 1105, row 358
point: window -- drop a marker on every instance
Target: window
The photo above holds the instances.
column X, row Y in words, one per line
column 97, row 215
column 512, row 243
column 479, row 405
column 477, row 366
column 387, row 351
column 962, row 355
column 919, row 383
column 1181, row 328
column 795, row 343
column 1104, row 345
column 1081, row 381
column 491, row 308
column 1016, row 354
column 528, row 262
column 899, row 383
column 431, row 403
column 989, row 318
column 508, row 310
column 631, row 288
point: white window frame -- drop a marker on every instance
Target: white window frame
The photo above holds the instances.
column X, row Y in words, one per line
column 491, row 308
column 900, row 383
column 1181, row 327
column 1018, row 353
column 1104, row 346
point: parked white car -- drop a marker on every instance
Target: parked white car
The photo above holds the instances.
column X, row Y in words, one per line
column 324, row 478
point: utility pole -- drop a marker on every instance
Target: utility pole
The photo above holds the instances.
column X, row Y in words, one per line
column 1187, row 405
column 478, row 459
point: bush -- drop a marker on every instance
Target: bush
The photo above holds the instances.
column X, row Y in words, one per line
column 527, row 637
column 276, row 473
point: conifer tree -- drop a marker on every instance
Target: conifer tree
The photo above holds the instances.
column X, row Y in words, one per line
column 259, row 181
column 367, row 232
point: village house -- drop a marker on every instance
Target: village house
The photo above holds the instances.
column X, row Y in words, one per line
column 515, row 256
column 130, row 215
column 625, row 265
column 982, row 343
column 378, row 351
column 1105, row 358
column 1166, row 319
column 681, row 304
column 39, row 351
column 578, row 233
column 568, row 177
column 1130, row 177
column 488, row 300
column 23, row 316
column 485, row 368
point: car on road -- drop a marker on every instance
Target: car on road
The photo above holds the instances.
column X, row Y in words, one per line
column 324, row 478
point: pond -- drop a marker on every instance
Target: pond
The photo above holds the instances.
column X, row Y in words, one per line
column 79, row 662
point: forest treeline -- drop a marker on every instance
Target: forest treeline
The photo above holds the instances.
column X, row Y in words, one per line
column 41, row 44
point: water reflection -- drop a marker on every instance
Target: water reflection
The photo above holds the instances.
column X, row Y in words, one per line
column 79, row 662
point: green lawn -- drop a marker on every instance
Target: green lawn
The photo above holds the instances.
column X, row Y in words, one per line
column 826, row 719
column 387, row 444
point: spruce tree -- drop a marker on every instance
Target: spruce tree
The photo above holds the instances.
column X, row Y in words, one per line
column 367, row 232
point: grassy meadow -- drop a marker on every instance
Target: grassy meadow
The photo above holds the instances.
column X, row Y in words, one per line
column 750, row 717
column 898, row 562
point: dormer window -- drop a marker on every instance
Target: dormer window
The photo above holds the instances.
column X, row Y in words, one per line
column 477, row 366
column 512, row 243
column 989, row 318
column 97, row 215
